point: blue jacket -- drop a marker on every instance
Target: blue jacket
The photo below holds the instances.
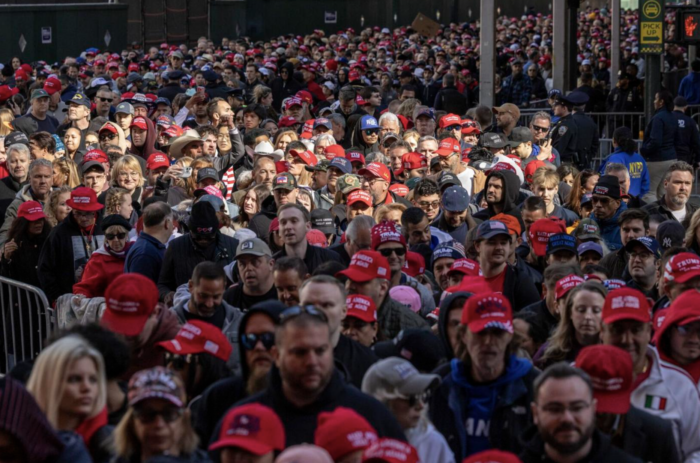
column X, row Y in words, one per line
column 145, row 257
column 690, row 88
column 610, row 229
column 516, row 91
column 636, row 166
column 660, row 137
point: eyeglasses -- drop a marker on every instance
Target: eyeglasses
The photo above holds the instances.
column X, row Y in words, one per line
column 105, row 100
column 370, row 132
column 538, row 128
column 129, row 174
column 602, row 200
column 295, row 311
column 111, row 236
column 388, row 251
column 169, row 415
column 640, row 255
column 108, row 136
column 557, row 409
column 251, row 340
column 427, row 205
column 453, row 127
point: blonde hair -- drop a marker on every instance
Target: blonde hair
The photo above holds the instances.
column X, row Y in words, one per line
column 545, row 177
column 191, row 182
column 113, row 200
column 126, row 442
column 69, row 169
column 383, row 211
column 691, row 241
column 127, row 162
column 6, row 117
column 50, row 371
column 260, row 91
column 52, row 204
column 406, row 108
column 411, row 134
column 281, row 133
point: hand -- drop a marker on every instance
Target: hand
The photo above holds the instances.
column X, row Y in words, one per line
column 194, row 99
column 479, row 181
column 10, row 248
column 168, row 300
column 545, row 150
column 228, row 121
column 79, row 273
column 15, row 107
column 173, row 172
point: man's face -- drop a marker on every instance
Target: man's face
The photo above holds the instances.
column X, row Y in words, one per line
column 530, row 217
column 588, row 258
column 561, row 257
column 455, row 219
column 624, row 179
column 487, row 348
column 283, row 196
column 678, row 188
column 256, row 272
column 287, row 283
column 319, row 179
column 604, row 207
column 632, row 229
column 630, row 335
column 441, row 268
column 328, row 299
column 207, row 296
column 504, row 119
column 305, row 359
column 428, row 148
column 642, row 265
column 153, row 175
column 565, row 414
column 407, row 94
column 124, row 120
column 356, row 209
column 103, row 101
column 494, row 191
column 260, row 358
column 142, row 111
column 375, row 289
column 395, row 156
column 377, row 187
column 546, row 192
column 397, row 256
column 494, row 250
column 40, row 105
column 209, row 145
column 293, row 226
column 419, row 233
column 84, row 219
column 429, row 204
column 674, row 289
column 388, row 126
column 194, row 149
column 95, row 180
column 77, row 112
column 250, row 73
column 425, row 126
column 265, row 172
column 685, row 343
column 41, row 180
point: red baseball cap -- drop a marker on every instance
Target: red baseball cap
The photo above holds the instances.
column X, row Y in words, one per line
column 610, row 369
column 31, row 210
column 139, row 122
column 400, row 189
column 361, row 196
column 377, row 170
column 449, row 120
column 355, row 156
column 316, row 238
column 412, row 161
column 685, row 309
column 493, row 456
column 274, row 225
column 21, row 74
column 361, row 307
column 386, row 232
column 52, row 85
column 488, row 310
column 353, row 76
column 305, row 96
column 254, row 428
column 365, row 266
column 333, row 151
column 626, row 304
column 6, row 92
column 531, row 168
column 306, row 156
column 448, row 146
column 108, row 128
column 465, row 266
column 198, row 337
column 390, row 451
column 414, row 265
column 95, row 155
column 293, row 101
column 133, row 67
column 682, row 267
column 541, row 230
column 566, row 284
column 157, row 160
column 470, row 126
column 343, row 431
column 130, row 299
column 361, row 101
column 85, row 199
column 288, row 121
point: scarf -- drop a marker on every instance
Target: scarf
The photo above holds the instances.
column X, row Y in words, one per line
column 121, row 254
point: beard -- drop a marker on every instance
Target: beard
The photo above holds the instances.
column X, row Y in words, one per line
column 568, row 448
column 257, row 381
column 679, row 200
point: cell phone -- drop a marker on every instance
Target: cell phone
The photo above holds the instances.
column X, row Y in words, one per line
column 200, row 90
column 186, row 172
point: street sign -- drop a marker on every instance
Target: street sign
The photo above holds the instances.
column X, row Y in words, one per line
column 651, row 27
column 22, row 43
column 330, row 17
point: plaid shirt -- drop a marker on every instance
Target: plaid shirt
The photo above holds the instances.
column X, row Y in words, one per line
column 394, row 317
column 516, row 91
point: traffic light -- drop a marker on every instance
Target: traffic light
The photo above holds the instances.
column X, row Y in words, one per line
column 687, row 30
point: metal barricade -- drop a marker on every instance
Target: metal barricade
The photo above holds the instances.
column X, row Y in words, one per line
column 27, row 320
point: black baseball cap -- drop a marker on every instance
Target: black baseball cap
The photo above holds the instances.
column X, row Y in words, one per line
column 207, row 172
column 420, row 347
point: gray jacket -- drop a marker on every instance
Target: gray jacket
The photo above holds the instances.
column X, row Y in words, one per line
column 22, row 196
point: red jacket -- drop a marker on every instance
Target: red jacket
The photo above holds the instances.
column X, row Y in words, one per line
column 100, row 271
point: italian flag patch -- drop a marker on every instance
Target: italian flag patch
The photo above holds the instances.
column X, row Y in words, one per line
column 654, row 402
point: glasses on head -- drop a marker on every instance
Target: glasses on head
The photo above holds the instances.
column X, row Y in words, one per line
column 169, row 415
column 427, row 205
column 105, row 100
column 470, row 124
column 251, row 340
column 107, row 136
column 295, row 311
column 111, row 236
column 387, row 252
column 538, row 128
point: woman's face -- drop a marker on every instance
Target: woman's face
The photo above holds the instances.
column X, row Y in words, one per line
column 223, row 140
column 80, row 389
column 59, row 178
column 296, row 165
column 283, row 142
column 126, row 207
column 3, row 153
column 412, row 142
column 158, row 426
column 138, row 136
column 585, row 316
column 267, row 100
column 569, row 180
column 36, row 227
column 320, row 146
column 304, row 200
column 358, row 330
column 128, row 179
column 271, row 128
column 250, row 203
column 16, row 63
column 91, row 140
column 62, row 209
column 116, row 237
column 370, row 136
column 590, row 183
column 407, row 415
column 394, row 216
column 72, row 139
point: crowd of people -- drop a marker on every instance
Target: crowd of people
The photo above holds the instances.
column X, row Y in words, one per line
column 324, row 249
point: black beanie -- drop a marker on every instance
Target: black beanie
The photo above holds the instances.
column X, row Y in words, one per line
column 203, row 218
column 608, row 185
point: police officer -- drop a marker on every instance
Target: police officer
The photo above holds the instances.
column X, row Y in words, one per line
column 587, row 142
column 565, row 132
column 687, row 140
column 172, row 88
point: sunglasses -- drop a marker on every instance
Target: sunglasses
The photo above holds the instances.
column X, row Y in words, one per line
column 418, row 398
column 453, row 127
column 203, row 237
column 388, row 251
column 111, row 236
column 370, row 132
column 540, row 129
column 108, row 136
column 176, row 361
column 107, row 100
column 296, row 311
column 169, row 415
column 604, row 200
column 250, row 340
column 470, row 124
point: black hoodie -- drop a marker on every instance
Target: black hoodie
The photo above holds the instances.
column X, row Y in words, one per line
column 443, row 319
column 358, row 141
column 511, row 190
column 282, row 89
column 260, row 223
column 602, row 450
column 221, row 396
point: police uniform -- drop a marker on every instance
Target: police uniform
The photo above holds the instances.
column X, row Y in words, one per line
column 587, row 142
column 564, row 135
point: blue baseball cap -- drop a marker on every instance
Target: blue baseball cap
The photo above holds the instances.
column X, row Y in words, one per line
column 449, row 250
column 342, row 164
column 561, row 242
column 368, row 122
column 650, row 244
column 323, row 122
column 490, row 228
column 590, row 246
column 455, row 199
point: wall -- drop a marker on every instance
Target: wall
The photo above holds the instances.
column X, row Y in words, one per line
column 74, row 28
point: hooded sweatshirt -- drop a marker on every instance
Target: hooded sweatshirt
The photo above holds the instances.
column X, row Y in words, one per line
column 511, row 190
column 121, row 141
column 358, row 141
column 148, row 147
column 443, row 319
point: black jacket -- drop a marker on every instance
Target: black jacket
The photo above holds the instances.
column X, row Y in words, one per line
column 282, row 89
column 300, row 424
column 314, row 256
column 602, row 451
column 170, row 91
column 687, row 141
column 260, row 222
column 64, row 252
column 660, row 137
column 659, row 207
column 342, row 253
column 519, row 288
column 24, row 263
column 356, row 359
column 182, row 256
column 587, row 143
column 449, row 99
column 9, row 188
column 511, row 191
column 616, row 264
column 544, row 316
column 648, row 437
column 443, row 319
